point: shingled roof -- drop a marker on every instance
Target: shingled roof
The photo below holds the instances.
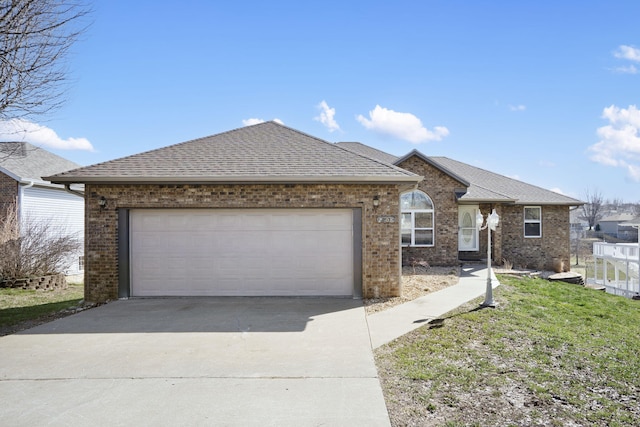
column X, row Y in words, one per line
column 488, row 186
column 25, row 162
column 267, row 153
column 374, row 153
column 482, row 186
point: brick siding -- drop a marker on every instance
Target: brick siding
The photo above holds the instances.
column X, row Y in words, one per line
column 380, row 246
column 8, row 192
column 440, row 188
column 508, row 241
column 536, row 253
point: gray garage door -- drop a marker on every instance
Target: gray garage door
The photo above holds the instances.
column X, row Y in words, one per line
column 248, row 252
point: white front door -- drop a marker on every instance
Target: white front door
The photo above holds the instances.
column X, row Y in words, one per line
column 467, row 230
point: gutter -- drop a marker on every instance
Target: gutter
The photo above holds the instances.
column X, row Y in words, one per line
column 283, row 179
column 67, row 187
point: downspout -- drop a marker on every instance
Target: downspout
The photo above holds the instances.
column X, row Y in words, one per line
column 76, row 192
column 29, row 184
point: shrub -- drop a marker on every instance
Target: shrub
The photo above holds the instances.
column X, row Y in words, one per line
column 31, row 247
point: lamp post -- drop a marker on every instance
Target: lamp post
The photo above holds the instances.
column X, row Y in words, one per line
column 492, row 222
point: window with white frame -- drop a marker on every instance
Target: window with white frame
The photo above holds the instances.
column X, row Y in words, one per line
column 417, row 219
column 532, row 221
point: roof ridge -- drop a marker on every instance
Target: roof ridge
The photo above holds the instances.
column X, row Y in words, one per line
column 165, row 147
column 264, row 152
column 394, row 167
column 506, row 196
column 504, row 177
column 434, row 163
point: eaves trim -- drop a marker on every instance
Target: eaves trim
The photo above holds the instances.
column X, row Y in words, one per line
column 435, row 164
column 237, row 180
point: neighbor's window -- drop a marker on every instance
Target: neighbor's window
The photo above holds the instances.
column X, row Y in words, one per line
column 417, row 219
column 532, row 221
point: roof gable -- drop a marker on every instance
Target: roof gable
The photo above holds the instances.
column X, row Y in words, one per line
column 444, row 169
column 26, row 162
column 266, row 152
column 484, row 183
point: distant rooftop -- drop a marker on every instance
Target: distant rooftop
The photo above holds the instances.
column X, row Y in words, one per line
column 26, row 162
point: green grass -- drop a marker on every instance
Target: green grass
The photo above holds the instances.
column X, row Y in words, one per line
column 551, row 353
column 18, row 305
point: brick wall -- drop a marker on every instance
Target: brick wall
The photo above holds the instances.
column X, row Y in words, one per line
column 8, row 192
column 507, row 241
column 380, row 246
column 536, row 253
column 440, row 187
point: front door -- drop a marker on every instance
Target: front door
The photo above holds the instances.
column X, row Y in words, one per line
column 467, row 230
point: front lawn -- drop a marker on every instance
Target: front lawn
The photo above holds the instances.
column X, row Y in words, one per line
column 552, row 353
column 20, row 308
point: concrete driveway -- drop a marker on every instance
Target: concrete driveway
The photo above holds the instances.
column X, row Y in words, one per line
column 195, row 361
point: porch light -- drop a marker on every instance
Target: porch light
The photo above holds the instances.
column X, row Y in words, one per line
column 376, row 201
column 492, row 223
column 102, row 202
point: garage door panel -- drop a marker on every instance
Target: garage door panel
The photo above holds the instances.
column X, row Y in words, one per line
column 241, row 252
column 150, row 242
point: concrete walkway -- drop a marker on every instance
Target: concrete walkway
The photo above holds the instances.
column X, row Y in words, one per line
column 390, row 324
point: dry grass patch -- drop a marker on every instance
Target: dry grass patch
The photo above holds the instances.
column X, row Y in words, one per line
column 551, row 354
column 416, row 282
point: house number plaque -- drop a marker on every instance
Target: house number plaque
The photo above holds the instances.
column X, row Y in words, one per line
column 386, row 219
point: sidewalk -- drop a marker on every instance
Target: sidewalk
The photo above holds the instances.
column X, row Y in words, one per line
column 390, row 324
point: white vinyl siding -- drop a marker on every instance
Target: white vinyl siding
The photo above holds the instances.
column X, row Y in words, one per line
column 61, row 210
column 532, row 221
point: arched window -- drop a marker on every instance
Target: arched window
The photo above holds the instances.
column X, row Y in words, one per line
column 417, row 219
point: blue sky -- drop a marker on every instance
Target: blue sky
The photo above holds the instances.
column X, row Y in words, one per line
column 542, row 91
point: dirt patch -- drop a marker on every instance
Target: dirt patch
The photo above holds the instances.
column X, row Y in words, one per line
column 416, row 282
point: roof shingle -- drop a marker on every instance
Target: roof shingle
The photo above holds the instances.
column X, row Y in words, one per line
column 26, row 162
column 267, row 152
column 483, row 185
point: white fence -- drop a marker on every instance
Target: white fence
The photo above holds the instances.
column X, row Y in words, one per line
column 624, row 259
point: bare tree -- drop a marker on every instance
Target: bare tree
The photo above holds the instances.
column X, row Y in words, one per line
column 592, row 210
column 35, row 38
column 31, row 247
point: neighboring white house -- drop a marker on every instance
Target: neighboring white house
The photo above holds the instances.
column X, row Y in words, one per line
column 611, row 224
column 22, row 167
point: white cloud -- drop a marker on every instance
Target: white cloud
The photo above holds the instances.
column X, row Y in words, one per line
column 33, row 133
column 326, row 116
column 251, row 122
column 631, row 69
column 619, row 144
column 517, row 107
column 627, row 52
column 404, row 126
column 557, row 190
